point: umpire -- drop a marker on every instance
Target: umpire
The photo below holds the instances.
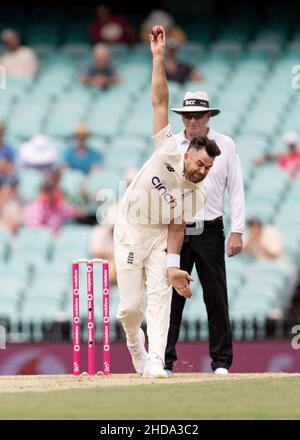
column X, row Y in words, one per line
column 204, row 243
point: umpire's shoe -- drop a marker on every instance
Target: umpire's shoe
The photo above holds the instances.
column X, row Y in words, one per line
column 221, row 371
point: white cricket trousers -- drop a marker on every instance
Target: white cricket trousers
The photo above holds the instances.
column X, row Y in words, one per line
column 140, row 257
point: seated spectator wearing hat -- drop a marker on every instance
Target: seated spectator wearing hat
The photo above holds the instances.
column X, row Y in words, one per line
column 18, row 61
column 50, row 209
column 7, row 154
column 111, row 28
column 264, row 242
column 162, row 18
column 179, row 71
column 81, row 156
column 39, row 153
column 101, row 73
column 290, row 161
column 11, row 204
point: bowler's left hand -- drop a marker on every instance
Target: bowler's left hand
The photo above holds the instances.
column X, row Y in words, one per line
column 179, row 279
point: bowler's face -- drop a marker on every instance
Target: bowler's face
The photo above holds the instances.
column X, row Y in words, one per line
column 197, row 165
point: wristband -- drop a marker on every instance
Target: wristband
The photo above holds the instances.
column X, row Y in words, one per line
column 173, row 260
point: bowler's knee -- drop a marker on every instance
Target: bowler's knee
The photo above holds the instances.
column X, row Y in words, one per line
column 129, row 312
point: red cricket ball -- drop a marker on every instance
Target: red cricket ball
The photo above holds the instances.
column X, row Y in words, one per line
column 157, row 30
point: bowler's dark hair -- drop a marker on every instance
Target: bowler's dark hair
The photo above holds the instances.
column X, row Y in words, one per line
column 200, row 142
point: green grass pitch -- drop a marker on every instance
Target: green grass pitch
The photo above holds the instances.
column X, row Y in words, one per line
column 184, row 396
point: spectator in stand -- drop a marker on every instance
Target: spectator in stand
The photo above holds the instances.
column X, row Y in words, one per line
column 81, row 156
column 39, row 153
column 11, row 205
column 101, row 73
column 110, row 28
column 18, row 61
column 162, row 18
column 50, row 209
column 264, row 242
column 290, row 161
column 7, row 154
column 179, row 71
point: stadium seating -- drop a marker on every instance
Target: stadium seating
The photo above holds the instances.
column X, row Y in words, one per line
column 247, row 72
column 29, row 184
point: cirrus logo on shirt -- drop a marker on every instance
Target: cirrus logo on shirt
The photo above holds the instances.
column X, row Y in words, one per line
column 159, row 185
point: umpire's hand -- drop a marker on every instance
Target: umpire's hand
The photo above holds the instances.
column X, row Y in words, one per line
column 179, row 279
column 235, row 244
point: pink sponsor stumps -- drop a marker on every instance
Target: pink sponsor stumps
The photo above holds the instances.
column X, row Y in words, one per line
column 76, row 319
column 105, row 317
column 90, row 318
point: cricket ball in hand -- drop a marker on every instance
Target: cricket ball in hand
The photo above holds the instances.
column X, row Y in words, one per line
column 157, row 30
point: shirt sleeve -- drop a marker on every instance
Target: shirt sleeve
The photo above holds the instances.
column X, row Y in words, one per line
column 235, row 188
column 30, row 61
column 10, row 154
column 33, row 215
column 90, row 70
column 165, row 141
column 67, row 156
column 67, row 210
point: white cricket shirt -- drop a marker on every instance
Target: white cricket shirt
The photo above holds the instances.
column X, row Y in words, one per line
column 159, row 193
column 226, row 172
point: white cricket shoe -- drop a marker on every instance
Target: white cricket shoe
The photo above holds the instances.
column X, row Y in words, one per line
column 154, row 369
column 139, row 353
column 221, row 371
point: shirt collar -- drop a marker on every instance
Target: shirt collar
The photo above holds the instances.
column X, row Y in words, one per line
column 181, row 137
column 182, row 140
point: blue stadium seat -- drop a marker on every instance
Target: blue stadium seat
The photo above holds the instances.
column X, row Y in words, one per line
column 29, row 184
column 103, row 179
column 38, row 310
column 71, row 183
column 5, row 239
column 37, row 238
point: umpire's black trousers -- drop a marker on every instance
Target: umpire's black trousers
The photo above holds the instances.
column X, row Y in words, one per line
column 207, row 252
